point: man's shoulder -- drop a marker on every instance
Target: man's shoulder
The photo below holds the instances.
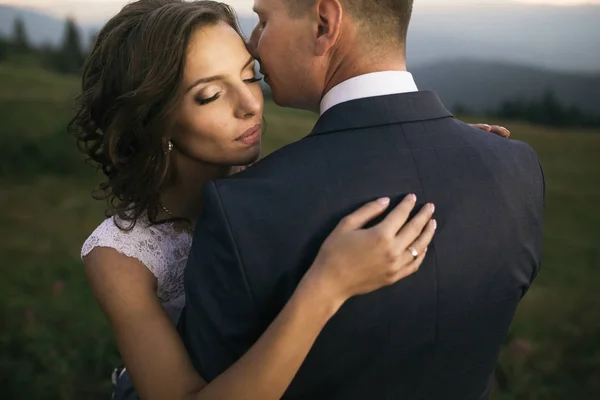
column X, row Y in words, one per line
column 275, row 169
column 517, row 146
column 509, row 157
column 275, row 178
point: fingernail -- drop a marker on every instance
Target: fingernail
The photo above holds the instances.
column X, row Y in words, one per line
column 412, row 197
column 431, row 207
column 425, row 251
column 434, row 223
column 384, row 201
column 488, row 127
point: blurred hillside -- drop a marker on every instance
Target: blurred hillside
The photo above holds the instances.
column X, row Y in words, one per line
column 481, row 86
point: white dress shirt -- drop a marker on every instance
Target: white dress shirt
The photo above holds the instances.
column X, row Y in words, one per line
column 369, row 85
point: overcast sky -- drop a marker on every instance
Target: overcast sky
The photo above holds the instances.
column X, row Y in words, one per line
column 89, row 11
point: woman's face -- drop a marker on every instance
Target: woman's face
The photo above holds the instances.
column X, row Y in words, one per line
column 219, row 118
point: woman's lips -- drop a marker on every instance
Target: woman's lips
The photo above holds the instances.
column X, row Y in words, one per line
column 251, row 136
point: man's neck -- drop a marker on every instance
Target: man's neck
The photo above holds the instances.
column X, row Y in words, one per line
column 353, row 65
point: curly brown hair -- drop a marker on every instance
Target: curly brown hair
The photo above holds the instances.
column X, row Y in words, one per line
column 130, row 88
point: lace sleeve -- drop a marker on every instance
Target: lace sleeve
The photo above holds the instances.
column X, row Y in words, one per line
column 138, row 243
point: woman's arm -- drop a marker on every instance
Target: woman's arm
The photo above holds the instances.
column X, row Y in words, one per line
column 351, row 261
column 149, row 344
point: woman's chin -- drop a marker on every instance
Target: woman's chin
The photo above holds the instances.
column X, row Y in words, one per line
column 252, row 155
column 255, row 156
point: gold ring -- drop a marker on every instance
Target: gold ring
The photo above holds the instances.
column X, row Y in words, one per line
column 414, row 252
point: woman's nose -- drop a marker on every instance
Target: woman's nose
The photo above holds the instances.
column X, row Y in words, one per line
column 249, row 103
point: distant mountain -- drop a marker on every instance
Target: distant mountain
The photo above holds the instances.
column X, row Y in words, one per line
column 483, row 86
column 559, row 38
column 41, row 28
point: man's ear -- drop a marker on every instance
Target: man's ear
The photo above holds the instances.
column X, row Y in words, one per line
column 329, row 25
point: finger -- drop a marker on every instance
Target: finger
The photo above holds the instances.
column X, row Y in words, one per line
column 409, row 268
column 409, row 232
column 398, row 216
column 366, row 213
column 500, row 130
column 424, row 239
column 483, row 127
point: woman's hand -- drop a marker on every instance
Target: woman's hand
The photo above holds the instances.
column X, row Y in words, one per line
column 498, row 130
column 354, row 260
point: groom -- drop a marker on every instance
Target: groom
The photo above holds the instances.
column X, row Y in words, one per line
column 434, row 335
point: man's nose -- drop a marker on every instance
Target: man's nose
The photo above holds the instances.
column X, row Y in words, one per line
column 252, row 44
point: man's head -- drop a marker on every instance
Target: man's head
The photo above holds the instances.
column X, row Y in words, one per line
column 305, row 46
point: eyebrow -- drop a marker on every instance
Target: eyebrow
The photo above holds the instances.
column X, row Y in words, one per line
column 217, row 77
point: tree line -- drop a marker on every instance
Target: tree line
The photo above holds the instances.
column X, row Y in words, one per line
column 548, row 110
column 545, row 109
column 66, row 58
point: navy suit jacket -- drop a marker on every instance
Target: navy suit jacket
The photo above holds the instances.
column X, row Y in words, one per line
column 433, row 335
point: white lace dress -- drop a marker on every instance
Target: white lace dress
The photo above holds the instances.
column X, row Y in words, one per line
column 161, row 248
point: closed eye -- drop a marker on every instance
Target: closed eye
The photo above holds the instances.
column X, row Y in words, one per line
column 254, row 80
column 203, row 102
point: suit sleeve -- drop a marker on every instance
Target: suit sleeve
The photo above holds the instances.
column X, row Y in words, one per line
column 541, row 217
column 537, row 206
column 219, row 323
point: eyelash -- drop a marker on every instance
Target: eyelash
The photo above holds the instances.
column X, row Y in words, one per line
column 254, row 80
column 204, row 102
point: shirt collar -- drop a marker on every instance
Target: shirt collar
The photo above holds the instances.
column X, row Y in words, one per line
column 369, row 85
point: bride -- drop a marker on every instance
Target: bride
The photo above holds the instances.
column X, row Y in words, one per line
column 159, row 129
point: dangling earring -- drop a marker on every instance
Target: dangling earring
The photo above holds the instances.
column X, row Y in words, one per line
column 170, row 146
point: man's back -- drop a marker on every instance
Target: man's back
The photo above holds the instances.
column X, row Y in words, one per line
column 433, row 335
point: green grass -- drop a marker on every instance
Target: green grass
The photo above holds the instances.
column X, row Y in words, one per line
column 55, row 344
column 31, row 83
column 53, row 340
column 34, row 102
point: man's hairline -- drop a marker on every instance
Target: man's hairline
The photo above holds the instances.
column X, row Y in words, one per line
column 295, row 15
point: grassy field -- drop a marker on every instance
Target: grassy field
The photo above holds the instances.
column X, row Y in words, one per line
column 54, row 343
